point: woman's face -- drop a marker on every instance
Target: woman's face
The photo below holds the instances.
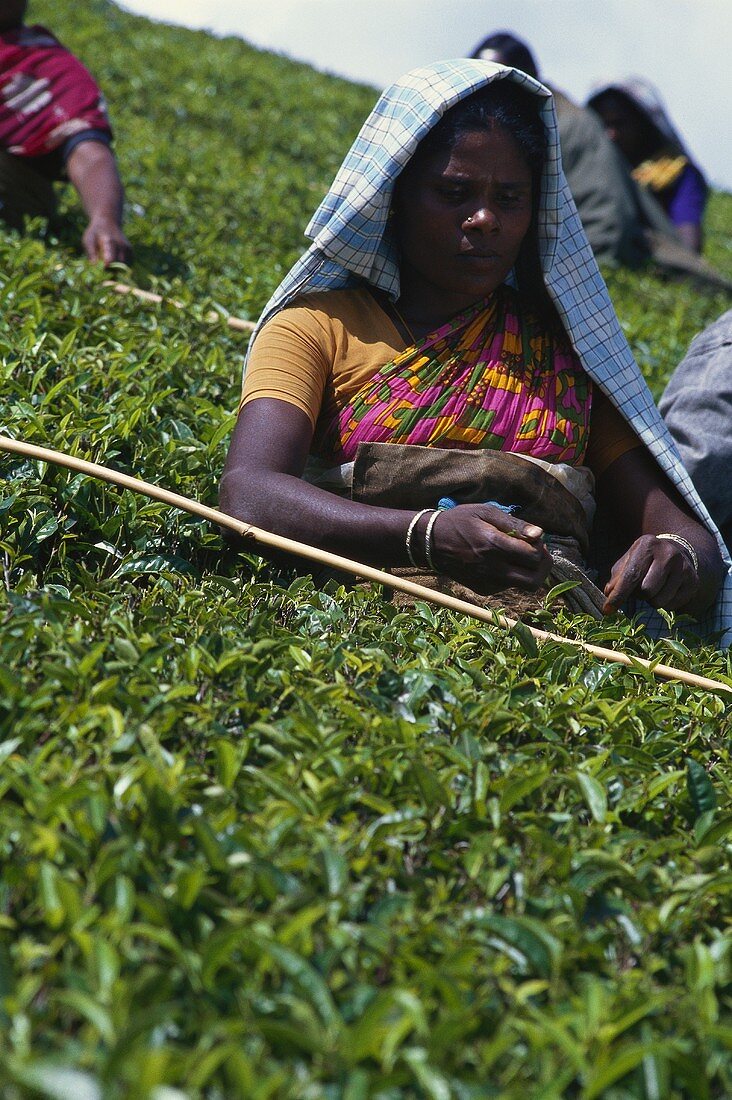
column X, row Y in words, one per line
column 625, row 126
column 461, row 218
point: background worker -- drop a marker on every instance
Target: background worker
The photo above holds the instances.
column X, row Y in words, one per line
column 697, row 407
column 638, row 123
column 54, row 126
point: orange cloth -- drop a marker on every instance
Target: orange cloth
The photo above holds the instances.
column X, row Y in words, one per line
column 611, row 436
column 317, row 353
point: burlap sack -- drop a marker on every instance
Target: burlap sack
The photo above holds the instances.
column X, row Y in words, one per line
column 399, row 476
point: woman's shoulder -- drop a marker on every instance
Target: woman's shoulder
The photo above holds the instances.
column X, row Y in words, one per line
column 337, row 315
column 335, row 304
column 332, row 322
column 693, row 174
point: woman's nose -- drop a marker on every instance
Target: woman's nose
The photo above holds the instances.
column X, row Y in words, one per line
column 483, row 218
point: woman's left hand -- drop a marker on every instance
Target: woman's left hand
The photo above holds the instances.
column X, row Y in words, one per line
column 658, row 571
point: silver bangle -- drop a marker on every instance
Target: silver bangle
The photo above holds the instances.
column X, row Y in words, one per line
column 685, row 545
column 410, row 533
column 428, row 539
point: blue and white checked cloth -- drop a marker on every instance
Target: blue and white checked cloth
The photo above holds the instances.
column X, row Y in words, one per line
column 352, row 241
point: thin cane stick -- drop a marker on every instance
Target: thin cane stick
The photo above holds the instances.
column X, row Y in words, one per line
column 212, row 316
column 323, row 557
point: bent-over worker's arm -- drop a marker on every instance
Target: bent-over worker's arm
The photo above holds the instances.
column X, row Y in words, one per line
column 262, row 485
column 660, row 571
column 686, row 209
column 691, row 235
column 92, row 169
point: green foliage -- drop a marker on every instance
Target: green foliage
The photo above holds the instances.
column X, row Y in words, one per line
column 259, row 840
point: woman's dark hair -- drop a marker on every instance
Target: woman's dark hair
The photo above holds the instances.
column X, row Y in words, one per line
column 509, row 50
column 502, row 105
column 506, row 106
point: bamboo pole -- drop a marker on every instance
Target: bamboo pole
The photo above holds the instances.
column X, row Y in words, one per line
column 323, row 557
column 212, row 316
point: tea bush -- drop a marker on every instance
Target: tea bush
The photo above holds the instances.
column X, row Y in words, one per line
column 264, row 841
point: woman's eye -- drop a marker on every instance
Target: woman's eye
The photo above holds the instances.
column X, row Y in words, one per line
column 512, row 199
column 452, row 194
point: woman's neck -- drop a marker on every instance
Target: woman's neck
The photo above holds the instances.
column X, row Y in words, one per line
column 425, row 306
column 421, row 318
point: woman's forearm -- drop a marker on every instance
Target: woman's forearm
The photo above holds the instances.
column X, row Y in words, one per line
column 92, row 169
column 291, row 507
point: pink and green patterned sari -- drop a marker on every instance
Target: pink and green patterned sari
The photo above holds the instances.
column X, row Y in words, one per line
column 488, row 378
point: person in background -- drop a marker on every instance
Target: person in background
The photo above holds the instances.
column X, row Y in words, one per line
column 637, row 122
column 601, row 185
column 697, row 407
column 54, row 125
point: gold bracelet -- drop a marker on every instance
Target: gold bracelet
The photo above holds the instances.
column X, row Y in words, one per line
column 684, row 545
column 410, row 533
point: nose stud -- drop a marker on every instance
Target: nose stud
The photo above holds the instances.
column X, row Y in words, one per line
column 484, row 219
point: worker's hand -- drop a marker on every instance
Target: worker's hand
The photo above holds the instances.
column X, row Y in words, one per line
column 487, row 550
column 104, row 240
column 658, row 571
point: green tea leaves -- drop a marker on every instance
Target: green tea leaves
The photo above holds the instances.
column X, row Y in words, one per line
column 260, row 839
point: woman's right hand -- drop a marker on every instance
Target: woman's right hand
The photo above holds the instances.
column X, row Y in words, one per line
column 486, row 549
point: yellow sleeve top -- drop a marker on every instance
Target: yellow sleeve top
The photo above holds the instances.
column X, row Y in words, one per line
column 321, row 350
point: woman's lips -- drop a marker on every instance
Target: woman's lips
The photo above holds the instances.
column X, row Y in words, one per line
column 480, row 257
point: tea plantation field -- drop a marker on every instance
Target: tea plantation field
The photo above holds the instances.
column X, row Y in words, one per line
column 261, row 841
